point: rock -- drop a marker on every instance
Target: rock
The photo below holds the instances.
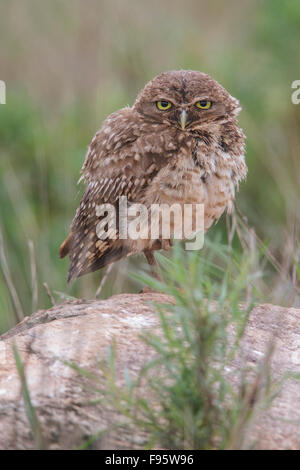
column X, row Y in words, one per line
column 80, row 331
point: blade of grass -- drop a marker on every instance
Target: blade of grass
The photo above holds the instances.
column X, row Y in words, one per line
column 30, row 410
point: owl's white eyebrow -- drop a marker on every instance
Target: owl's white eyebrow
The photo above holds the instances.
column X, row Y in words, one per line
column 201, row 98
column 165, row 99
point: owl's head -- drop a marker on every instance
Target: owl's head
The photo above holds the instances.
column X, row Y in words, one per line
column 186, row 99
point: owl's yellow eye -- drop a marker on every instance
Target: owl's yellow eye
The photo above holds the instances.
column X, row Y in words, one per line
column 163, row 105
column 203, row 104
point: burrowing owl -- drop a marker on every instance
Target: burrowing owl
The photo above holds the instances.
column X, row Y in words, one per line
column 179, row 143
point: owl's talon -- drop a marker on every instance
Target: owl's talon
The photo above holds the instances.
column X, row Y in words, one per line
column 148, row 290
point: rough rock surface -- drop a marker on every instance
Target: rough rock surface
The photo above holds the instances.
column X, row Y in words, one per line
column 80, row 331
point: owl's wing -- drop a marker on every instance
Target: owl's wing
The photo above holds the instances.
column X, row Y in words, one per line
column 114, row 167
column 88, row 250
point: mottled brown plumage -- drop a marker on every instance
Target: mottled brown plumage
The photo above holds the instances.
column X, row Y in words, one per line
column 145, row 154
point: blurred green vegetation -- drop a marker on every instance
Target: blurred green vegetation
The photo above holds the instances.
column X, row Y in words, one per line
column 183, row 397
column 67, row 65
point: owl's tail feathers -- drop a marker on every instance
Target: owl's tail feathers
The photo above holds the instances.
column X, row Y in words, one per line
column 80, row 264
column 66, row 246
column 88, row 253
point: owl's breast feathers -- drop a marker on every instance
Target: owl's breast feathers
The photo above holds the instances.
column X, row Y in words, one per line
column 149, row 163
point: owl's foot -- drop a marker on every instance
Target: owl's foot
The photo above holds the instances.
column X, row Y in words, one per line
column 148, row 290
column 164, row 244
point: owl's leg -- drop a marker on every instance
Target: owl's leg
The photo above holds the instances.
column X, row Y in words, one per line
column 152, row 262
column 166, row 244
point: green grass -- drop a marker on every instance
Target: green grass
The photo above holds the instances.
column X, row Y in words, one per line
column 197, row 390
column 32, row 417
column 189, row 395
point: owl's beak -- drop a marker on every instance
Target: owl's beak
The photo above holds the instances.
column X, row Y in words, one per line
column 183, row 119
